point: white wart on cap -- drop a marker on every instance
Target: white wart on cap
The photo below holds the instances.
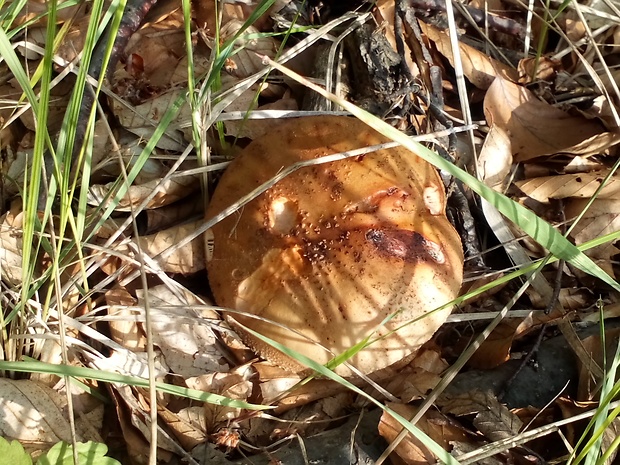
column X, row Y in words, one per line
column 333, row 250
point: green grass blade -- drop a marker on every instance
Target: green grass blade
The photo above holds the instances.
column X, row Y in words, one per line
column 110, row 377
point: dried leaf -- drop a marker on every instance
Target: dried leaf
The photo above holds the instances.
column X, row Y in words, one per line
column 479, row 68
column 34, row 413
column 246, row 62
column 495, row 159
column 187, row 259
column 188, row 425
column 9, row 133
column 47, row 351
column 159, row 219
column 582, row 185
column 545, row 69
column 73, row 43
column 599, row 352
column 419, row 377
column 234, row 384
column 185, row 337
column 142, row 119
column 57, row 106
column 168, row 192
column 535, row 128
column 609, row 311
column 124, row 329
column 132, row 363
column 207, row 14
column 495, row 350
column 36, row 36
column 274, row 382
column 575, row 299
column 134, row 417
column 579, row 164
column 492, row 419
column 411, row 450
column 159, row 54
column 610, row 435
column 417, row 385
column 601, row 218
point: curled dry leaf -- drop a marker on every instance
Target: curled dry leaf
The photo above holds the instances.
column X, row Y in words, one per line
column 575, row 299
column 10, row 134
column 535, row 128
column 187, row 259
column 479, row 68
column 168, row 192
column 169, row 216
column 47, row 351
column 36, row 9
column 247, row 102
column 108, row 156
column 124, row 328
column 604, row 110
column 600, row 352
column 305, row 420
column 495, row 350
column 609, row 311
column 545, row 69
column 131, row 363
column 420, row 377
column 495, row 159
column 179, row 77
column 337, row 249
column 274, row 382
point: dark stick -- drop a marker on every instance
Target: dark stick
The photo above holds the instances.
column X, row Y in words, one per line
column 480, row 17
column 135, row 12
column 405, row 18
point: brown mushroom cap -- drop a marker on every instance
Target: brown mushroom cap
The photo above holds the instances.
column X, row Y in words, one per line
column 334, row 249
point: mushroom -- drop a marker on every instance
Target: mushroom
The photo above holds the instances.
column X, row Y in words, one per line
column 334, row 252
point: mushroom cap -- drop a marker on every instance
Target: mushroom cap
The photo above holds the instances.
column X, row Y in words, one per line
column 334, row 250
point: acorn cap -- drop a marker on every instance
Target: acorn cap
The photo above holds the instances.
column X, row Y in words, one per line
column 334, row 252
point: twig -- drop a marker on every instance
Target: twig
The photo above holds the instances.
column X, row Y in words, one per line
column 479, row 17
column 135, row 12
